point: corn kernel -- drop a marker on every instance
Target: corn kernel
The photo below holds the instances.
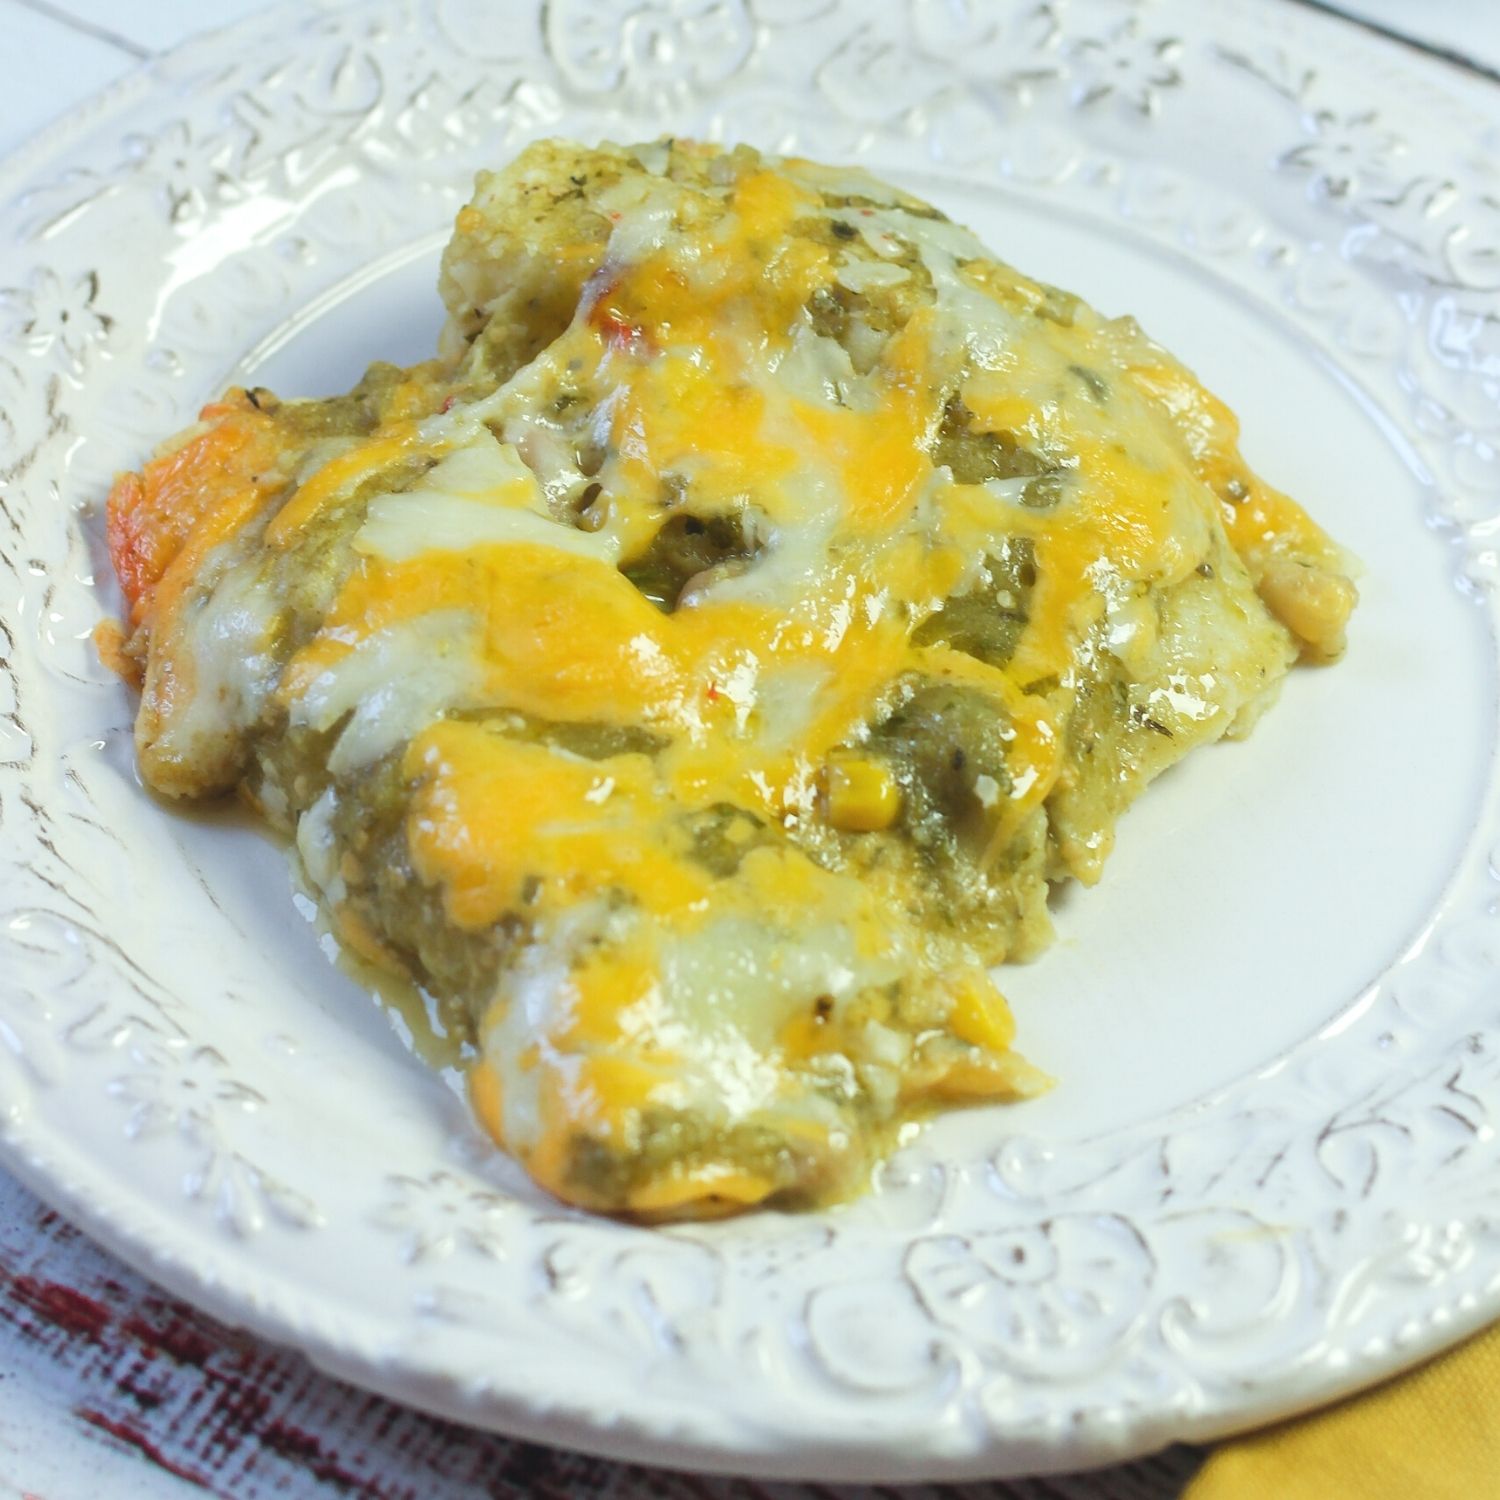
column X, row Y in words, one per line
column 860, row 795
column 980, row 1015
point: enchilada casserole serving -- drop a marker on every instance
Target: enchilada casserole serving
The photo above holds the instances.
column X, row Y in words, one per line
column 695, row 675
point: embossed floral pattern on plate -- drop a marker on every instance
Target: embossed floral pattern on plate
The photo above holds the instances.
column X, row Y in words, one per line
column 1005, row 1305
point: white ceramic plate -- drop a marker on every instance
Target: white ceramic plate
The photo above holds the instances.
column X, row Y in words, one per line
column 1270, row 1172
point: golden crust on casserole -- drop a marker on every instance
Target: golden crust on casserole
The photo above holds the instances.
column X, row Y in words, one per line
column 695, row 676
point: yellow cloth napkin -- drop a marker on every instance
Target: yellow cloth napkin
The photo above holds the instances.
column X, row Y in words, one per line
column 1429, row 1435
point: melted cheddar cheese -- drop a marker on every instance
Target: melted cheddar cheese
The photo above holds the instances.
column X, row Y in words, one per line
column 695, row 677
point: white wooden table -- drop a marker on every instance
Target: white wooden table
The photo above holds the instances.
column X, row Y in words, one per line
column 111, row 1389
